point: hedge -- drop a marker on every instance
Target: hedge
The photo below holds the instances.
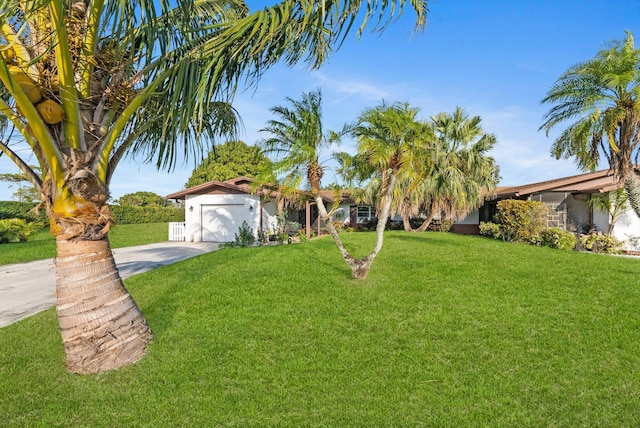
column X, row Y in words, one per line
column 121, row 214
column 22, row 210
column 137, row 215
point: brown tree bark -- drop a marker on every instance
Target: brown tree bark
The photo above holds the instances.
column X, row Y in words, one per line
column 425, row 224
column 632, row 187
column 102, row 327
column 360, row 267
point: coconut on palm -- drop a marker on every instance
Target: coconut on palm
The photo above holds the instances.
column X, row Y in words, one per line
column 50, row 111
column 27, row 84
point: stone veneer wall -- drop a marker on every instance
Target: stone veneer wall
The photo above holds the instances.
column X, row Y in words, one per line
column 557, row 216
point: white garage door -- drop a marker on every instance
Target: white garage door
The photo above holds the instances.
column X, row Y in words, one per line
column 220, row 223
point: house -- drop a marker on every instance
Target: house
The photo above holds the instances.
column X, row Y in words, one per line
column 215, row 211
column 568, row 208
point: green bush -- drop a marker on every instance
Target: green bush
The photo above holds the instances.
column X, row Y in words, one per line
column 23, row 210
column 599, row 243
column 244, row 238
column 521, row 221
column 441, row 226
column 138, row 215
column 557, row 238
column 490, row 229
column 17, row 230
column 121, row 214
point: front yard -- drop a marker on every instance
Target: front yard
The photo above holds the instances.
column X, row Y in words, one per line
column 447, row 330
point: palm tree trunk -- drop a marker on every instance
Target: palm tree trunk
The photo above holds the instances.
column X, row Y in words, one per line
column 425, row 224
column 102, row 327
column 632, row 186
column 406, row 223
column 360, row 267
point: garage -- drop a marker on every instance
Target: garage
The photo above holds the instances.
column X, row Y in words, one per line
column 214, row 211
column 220, row 222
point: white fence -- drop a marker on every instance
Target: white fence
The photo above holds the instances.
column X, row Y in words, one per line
column 176, row 231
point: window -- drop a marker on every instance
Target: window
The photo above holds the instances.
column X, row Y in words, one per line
column 364, row 213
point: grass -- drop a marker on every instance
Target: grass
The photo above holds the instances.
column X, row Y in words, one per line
column 43, row 244
column 447, row 331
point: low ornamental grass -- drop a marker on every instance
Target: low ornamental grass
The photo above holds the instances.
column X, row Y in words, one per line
column 447, row 330
column 42, row 245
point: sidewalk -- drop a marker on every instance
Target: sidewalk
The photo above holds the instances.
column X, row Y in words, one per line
column 28, row 288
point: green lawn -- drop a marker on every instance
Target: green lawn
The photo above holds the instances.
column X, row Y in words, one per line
column 43, row 244
column 447, row 331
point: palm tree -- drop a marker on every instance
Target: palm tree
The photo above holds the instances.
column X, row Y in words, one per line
column 463, row 170
column 85, row 83
column 455, row 171
column 601, row 95
column 389, row 136
column 384, row 133
column 298, row 141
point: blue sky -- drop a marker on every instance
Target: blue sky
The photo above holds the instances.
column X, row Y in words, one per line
column 495, row 59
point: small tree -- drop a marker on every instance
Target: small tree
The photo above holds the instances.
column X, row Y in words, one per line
column 599, row 100
column 614, row 203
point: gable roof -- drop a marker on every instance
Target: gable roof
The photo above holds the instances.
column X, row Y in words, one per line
column 591, row 182
column 240, row 185
column 245, row 185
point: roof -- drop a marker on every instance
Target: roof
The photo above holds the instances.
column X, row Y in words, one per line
column 236, row 185
column 330, row 196
column 591, row 182
column 247, row 185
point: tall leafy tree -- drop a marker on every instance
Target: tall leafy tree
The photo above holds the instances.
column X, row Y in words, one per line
column 87, row 82
column 298, row 140
column 408, row 199
column 143, row 199
column 600, row 100
column 389, row 137
column 230, row 160
column 297, row 143
column 461, row 169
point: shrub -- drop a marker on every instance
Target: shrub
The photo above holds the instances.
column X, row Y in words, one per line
column 23, row 210
column 557, row 238
column 441, row 226
column 143, row 199
column 599, row 243
column 302, row 236
column 137, row 215
column 490, row 229
column 17, row 230
column 121, row 214
column 521, row 221
column 244, row 238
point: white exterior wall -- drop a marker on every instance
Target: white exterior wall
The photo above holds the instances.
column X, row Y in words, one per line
column 627, row 229
column 196, row 205
column 601, row 220
column 341, row 213
column 471, row 218
column 270, row 217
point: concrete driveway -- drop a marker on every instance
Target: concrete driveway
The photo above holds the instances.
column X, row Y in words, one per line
column 28, row 288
